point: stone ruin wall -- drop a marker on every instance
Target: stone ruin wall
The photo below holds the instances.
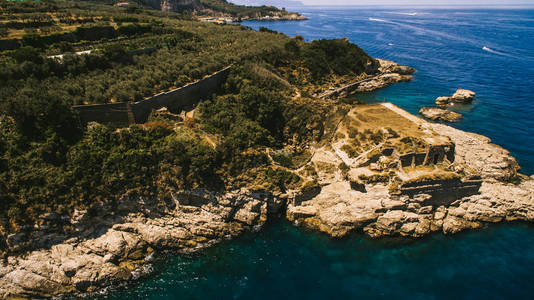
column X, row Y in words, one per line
column 442, row 192
column 433, row 155
column 115, row 114
column 125, row 114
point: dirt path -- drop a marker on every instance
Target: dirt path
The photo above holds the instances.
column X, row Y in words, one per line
column 327, row 94
column 210, row 141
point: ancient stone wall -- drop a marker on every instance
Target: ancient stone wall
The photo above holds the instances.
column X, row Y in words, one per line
column 442, row 192
column 180, row 98
column 412, row 159
column 124, row 114
column 433, row 155
column 344, row 90
column 437, row 154
column 114, row 114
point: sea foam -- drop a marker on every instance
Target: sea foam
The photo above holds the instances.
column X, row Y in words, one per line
column 487, row 49
column 378, row 20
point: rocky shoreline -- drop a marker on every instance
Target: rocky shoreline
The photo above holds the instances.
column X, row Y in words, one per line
column 114, row 245
column 340, row 209
column 126, row 240
column 117, row 245
column 387, row 73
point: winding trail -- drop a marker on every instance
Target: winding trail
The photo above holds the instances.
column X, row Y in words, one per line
column 329, row 93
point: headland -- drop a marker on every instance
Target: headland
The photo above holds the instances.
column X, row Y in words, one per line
column 379, row 170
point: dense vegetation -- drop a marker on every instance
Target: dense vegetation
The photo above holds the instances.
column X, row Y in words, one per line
column 48, row 163
column 237, row 10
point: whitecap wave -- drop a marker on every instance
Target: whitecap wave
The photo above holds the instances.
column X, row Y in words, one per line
column 413, row 13
column 378, row 20
column 496, row 52
column 492, row 51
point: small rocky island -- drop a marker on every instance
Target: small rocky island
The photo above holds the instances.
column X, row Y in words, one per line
column 461, row 96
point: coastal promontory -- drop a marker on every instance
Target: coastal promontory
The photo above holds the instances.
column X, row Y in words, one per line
column 128, row 133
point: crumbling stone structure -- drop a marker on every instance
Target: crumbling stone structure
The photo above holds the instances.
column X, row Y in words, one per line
column 124, row 114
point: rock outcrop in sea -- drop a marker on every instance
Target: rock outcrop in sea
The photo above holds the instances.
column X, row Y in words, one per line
column 461, row 96
column 440, row 114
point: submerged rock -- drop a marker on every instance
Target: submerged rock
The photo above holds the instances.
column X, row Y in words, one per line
column 439, row 114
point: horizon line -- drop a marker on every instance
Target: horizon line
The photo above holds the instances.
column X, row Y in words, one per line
column 418, row 6
column 421, row 5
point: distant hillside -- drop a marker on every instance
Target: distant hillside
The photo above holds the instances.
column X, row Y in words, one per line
column 216, row 7
column 277, row 3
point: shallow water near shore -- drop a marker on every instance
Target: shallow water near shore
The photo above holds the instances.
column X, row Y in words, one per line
column 488, row 51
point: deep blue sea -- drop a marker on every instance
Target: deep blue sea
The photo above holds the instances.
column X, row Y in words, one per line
column 490, row 51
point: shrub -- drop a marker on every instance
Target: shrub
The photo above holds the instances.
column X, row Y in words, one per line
column 351, row 151
column 343, row 167
column 265, row 29
column 282, row 158
column 353, row 132
column 282, row 178
column 26, row 53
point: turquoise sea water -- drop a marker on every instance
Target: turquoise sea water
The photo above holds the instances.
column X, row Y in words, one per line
column 488, row 51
